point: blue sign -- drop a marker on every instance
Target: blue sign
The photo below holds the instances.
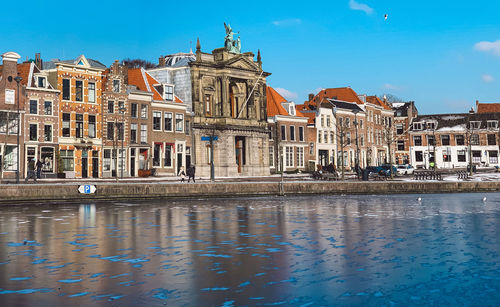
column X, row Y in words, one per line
column 87, row 189
column 207, row 138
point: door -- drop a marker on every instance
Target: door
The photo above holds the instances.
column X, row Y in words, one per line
column 132, row 162
column 179, row 162
column 95, row 164
column 240, row 152
column 323, row 158
column 85, row 167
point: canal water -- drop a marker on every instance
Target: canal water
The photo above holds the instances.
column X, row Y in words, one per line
column 373, row 250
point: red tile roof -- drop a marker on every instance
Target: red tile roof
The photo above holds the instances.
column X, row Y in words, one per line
column 376, row 101
column 488, row 107
column 310, row 115
column 340, row 93
column 136, row 77
column 274, row 100
column 23, row 71
column 177, row 99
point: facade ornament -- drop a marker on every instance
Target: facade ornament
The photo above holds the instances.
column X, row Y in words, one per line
column 230, row 44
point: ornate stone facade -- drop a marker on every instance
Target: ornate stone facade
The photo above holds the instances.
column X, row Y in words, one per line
column 229, row 102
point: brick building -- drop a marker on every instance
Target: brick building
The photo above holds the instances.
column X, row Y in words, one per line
column 404, row 113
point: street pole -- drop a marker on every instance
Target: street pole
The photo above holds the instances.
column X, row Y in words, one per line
column 357, row 144
column 18, row 80
column 212, row 168
column 115, row 150
column 122, row 110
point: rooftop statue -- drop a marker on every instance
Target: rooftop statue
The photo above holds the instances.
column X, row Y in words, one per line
column 230, row 44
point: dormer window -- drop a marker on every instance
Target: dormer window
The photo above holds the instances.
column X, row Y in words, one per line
column 475, row 125
column 492, row 124
column 417, row 126
column 168, row 92
column 41, row 82
column 431, row 125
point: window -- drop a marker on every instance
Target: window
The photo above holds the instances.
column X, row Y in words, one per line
column 493, row 155
column 361, row 141
column 179, row 122
column 492, row 140
column 156, row 120
column 66, row 117
column 167, row 161
column 476, row 156
column 348, row 138
column 188, row 127
column 474, row 139
column 3, row 122
column 33, row 107
column 144, row 111
column 461, row 155
column 167, row 117
column 328, row 120
column 446, row 156
column 47, row 133
column 116, row 86
column 301, row 134
column 33, row 132
column 319, row 136
column 144, row 133
column 492, row 124
column 292, row 133
column 399, row 129
column 445, row 140
column 208, row 108
column 475, row 124
column 169, row 93
column 91, row 92
column 401, row 145
column 67, row 159
column 47, row 155
column 78, row 90
column 106, row 166
column 417, row 126
column 322, row 121
column 111, row 107
column 271, row 156
column 283, row 133
column 133, row 133
column 42, row 82
column 300, row 156
column 288, row 156
column 92, row 126
column 119, row 128
column 459, row 139
column 47, row 108
column 13, row 123
column 111, row 131
column 361, row 124
column 417, row 140
column 66, row 89
column 419, row 157
column 121, row 107
column 10, row 158
column 79, row 125
column 133, row 110
column 331, row 137
column 430, row 140
column 348, row 122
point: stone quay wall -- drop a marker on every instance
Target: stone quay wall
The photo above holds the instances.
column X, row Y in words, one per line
column 38, row 194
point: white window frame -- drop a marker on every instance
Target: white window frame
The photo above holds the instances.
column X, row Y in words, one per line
column 51, row 107
column 51, row 133
column 271, row 156
column 292, row 136
column 171, row 121
column 289, row 156
column 492, row 124
column 165, row 93
column 301, row 134
column 160, row 119
column 37, row 106
column 300, row 156
column 144, row 137
column 417, row 126
column 89, row 95
column 181, row 125
column 29, row 132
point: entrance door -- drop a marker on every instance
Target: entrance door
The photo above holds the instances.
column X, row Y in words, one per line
column 95, row 164
column 240, row 152
column 132, row 162
column 323, row 157
column 188, row 156
column 179, row 162
column 85, row 167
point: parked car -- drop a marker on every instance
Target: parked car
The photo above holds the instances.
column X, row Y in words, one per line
column 373, row 170
column 387, row 168
column 405, row 169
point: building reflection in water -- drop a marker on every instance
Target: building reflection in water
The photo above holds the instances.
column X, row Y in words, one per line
column 87, row 214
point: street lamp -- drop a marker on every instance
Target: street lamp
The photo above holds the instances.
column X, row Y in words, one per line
column 122, row 110
column 356, row 111
column 18, row 80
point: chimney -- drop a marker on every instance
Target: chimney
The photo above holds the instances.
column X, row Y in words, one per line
column 10, row 64
column 477, row 105
column 311, row 96
column 38, row 60
column 161, row 61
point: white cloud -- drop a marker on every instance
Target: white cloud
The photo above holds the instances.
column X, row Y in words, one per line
column 493, row 47
column 487, row 78
column 287, row 22
column 286, row 93
column 360, row 7
column 391, row 87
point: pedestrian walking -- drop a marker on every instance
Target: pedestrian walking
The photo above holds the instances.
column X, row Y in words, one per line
column 182, row 174
column 191, row 172
column 39, row 166
column 31, row 171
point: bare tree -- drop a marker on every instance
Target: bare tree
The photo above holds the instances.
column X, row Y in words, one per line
column 342, row 140
column 390, row 98
column 389, row 139
column 137, row 63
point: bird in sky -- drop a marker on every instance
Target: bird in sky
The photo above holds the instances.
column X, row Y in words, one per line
column 385, row 17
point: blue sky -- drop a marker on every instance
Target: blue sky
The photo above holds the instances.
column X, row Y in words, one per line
column 442, row 54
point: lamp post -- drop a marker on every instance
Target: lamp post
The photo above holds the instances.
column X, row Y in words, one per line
column 122, row 111
column 18, row 80
column 357, row 144
column 115, row 150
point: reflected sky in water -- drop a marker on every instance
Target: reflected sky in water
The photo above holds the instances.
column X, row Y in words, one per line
column 299, row 251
